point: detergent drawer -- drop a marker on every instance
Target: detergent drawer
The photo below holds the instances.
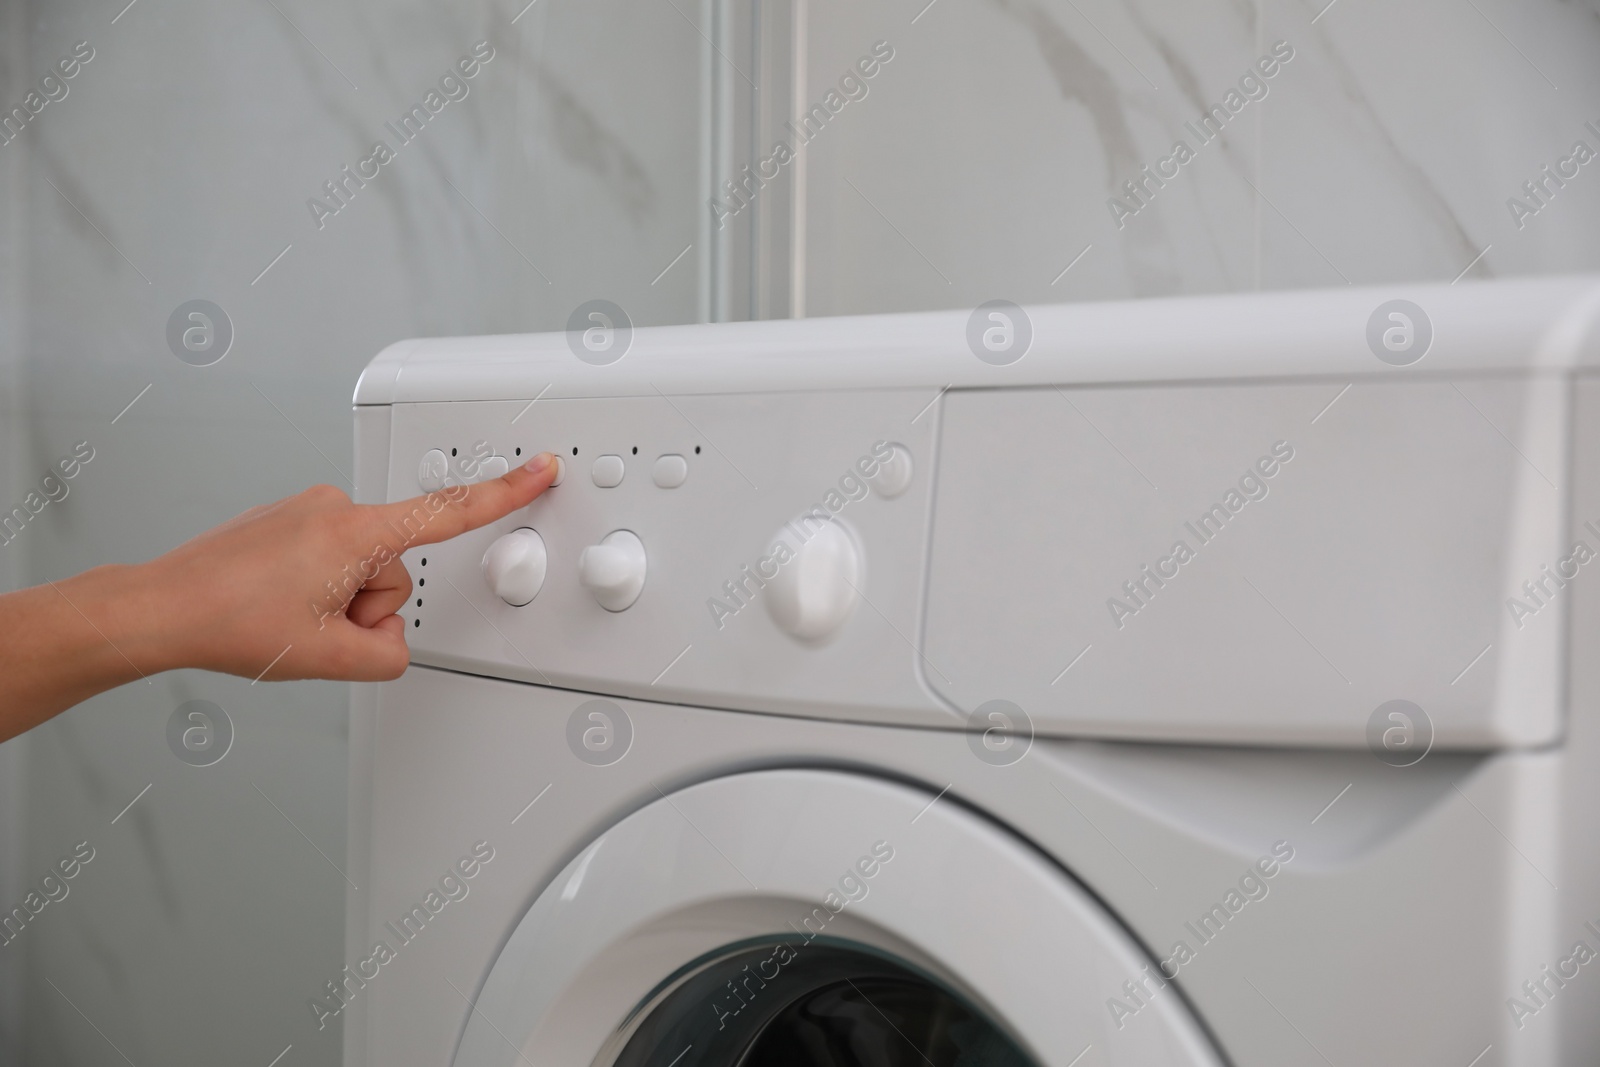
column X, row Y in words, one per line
column 1262, row 563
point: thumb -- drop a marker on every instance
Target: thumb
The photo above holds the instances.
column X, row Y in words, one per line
column 356, row 653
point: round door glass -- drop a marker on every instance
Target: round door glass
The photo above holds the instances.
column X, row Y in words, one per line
column 811, row 1004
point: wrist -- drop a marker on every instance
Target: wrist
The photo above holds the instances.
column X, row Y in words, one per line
column 127, row 609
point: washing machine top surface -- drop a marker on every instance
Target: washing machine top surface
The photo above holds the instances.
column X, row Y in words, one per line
column 1545, row 323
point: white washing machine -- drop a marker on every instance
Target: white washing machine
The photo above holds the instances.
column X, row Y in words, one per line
column 1196, row 681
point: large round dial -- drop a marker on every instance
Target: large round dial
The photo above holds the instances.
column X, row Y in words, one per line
column 514, row 566
column 814, row 593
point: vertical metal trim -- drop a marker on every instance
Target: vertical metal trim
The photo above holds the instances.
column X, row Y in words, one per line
column 756, row 275
column 714, row 149
column 798, row 59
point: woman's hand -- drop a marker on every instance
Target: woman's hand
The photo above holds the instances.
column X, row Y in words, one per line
column 304, row 588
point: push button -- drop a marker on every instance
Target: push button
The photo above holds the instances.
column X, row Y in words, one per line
column 493, row 467
column 433, row 470
column 607, row 472
column 670, row 471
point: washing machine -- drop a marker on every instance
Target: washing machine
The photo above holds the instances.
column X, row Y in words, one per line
column 1192, row 681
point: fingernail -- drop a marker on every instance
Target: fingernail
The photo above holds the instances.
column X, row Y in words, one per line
column 538, row 463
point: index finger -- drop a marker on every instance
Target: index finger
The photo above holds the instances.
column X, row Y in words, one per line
column 435, row 517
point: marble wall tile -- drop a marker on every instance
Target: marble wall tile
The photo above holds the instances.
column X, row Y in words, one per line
column 982, row 160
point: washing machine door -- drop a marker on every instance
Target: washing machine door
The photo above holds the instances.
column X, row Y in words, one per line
column 813, row 917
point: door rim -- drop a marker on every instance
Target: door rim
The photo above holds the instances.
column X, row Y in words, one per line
column 565, row 986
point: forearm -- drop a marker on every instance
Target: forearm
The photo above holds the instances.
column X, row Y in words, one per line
column 69, row 640
column 254, row 597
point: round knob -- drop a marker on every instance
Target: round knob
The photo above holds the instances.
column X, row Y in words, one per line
column 614, row 570
column 893, row 475
column 814, row 593
column 514, row 566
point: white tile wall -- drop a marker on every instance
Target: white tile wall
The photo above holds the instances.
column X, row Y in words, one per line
column 980, row 163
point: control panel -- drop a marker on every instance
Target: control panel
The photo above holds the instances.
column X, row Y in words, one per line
column 759, row 552
column 1224, row 573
